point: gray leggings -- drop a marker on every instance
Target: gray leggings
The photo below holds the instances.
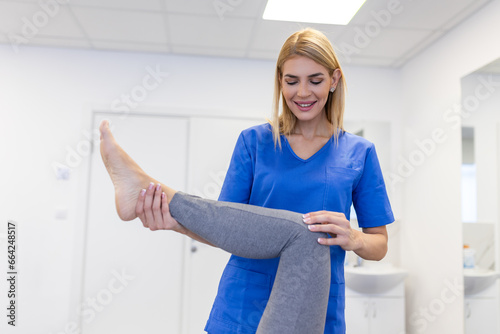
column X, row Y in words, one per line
column 299, row 297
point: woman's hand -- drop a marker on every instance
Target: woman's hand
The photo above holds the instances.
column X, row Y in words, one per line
column 370, row 244
column 152, row 209
column 337, row 226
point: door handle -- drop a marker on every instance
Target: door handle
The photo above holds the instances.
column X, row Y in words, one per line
column 194, row 246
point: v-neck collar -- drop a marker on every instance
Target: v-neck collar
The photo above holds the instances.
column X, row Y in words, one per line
column 328, row 143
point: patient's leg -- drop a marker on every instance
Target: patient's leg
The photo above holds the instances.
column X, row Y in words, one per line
column 299, row 297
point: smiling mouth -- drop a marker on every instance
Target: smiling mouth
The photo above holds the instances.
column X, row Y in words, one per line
column 305, row 105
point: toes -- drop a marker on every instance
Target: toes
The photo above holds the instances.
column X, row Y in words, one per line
column 104, row 128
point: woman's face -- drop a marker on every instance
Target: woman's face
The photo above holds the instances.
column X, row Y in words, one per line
column 306, row 85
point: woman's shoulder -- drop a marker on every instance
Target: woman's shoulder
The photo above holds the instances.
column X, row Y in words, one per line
column 264, row 128
column 354, row 141
column 353, row 150
column 261, row 133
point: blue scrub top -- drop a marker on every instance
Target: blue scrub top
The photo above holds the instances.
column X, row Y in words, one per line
column 332, row 179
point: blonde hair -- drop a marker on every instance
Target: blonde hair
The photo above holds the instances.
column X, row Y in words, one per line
column 314, row 45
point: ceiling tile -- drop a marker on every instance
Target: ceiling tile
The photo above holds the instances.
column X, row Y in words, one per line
column 473, row 6
column 62, row 25
column 122, row 26
column 390, row 43
column 220, row 8
column 12, row 15
column 270, row 35
column 429, row 14
column 209, row 32
column 22, row 24
column 422, row 14
column 146, row 5
column 241, row 8
column 22, row 1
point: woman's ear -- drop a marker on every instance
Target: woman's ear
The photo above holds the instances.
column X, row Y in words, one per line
column 336, row 75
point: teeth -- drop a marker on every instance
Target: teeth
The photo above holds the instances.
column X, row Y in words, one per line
column 305, row 105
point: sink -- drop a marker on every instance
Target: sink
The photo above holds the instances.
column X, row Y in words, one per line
column 477, row 280
column 373, row 279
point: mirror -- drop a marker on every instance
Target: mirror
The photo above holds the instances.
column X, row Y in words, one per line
column 379, row 133
column 480, row 194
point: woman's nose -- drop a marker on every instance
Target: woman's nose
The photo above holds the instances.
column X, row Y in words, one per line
column 303, row 90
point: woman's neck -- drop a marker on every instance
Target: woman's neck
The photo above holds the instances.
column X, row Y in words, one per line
column 311, row 129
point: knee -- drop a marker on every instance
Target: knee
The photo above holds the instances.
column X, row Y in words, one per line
column 305, row 234
column 309, row 242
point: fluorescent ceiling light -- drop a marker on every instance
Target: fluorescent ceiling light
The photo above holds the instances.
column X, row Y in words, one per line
column 312, row 11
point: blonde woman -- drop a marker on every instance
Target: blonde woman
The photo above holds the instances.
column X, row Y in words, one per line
column 282, row 276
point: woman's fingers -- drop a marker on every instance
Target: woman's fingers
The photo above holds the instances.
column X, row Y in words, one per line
column 165, row 211
column 169, row 223
column 333, row 223
column 326, row 228
column 325, row 217
column 153, row 210
column 139, row 207
column 338, row 234
column 148, row 203
column 157, row 214
column 330, row 242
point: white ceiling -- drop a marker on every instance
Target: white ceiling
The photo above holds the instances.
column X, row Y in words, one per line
column 225, row 28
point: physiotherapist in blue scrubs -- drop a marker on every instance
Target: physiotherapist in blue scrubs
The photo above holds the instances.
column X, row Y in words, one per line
column 305, row 162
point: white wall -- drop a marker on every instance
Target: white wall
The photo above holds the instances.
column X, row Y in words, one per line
column 431, row 226
column 47, row 96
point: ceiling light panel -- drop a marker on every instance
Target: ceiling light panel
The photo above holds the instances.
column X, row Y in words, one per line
column 312, row 11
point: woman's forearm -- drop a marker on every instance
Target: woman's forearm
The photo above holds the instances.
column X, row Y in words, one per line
column 372, row 243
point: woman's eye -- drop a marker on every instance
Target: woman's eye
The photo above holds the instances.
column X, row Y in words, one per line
column 291, row 83
column 316, row 82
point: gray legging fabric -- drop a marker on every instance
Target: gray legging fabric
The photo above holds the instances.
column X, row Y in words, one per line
column 299, row 297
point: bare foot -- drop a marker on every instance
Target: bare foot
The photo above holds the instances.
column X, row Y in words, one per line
column 127, row 177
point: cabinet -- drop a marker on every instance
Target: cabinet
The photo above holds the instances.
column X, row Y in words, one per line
column 481, row 312
column 375, row 314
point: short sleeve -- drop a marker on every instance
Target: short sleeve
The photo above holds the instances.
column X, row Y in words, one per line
column 239, row 177
column 370, row 198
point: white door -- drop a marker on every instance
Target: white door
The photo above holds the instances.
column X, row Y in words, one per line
column 211, row 143
column 132, row 276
